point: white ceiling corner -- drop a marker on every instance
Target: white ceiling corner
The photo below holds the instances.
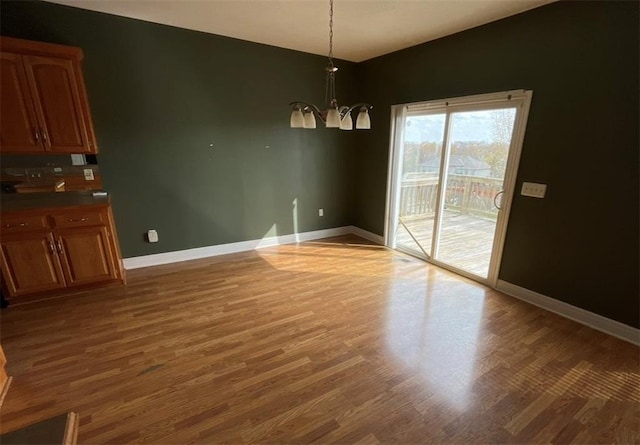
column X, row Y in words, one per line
column 363, row 29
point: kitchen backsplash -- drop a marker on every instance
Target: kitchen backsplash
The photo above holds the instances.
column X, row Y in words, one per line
column 52, row 178
column 35, row 174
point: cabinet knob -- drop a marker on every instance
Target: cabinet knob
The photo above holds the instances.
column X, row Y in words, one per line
column 52, row 248
column 60, row 250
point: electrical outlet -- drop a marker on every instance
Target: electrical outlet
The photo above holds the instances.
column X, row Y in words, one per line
column 34, row 174
column 88, row 174
column 320, row 212
column 152, row 236
column 533, row 189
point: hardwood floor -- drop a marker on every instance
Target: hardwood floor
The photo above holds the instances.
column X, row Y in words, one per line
column 334, row 342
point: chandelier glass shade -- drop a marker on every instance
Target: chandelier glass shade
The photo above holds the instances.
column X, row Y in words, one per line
column 304, row 115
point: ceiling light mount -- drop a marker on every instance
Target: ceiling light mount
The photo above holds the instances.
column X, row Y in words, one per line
column 304, row 114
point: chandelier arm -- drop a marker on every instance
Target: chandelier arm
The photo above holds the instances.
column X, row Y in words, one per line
column 344, row 110
column 304, row 106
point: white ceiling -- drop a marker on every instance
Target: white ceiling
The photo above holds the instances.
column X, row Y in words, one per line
column 363, row 29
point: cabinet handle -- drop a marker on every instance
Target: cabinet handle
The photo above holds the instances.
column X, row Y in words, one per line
column 60, row 251
column 8, row 226
column 44, row 135
column 78, row 220
column 52, row 248
column 36, row 134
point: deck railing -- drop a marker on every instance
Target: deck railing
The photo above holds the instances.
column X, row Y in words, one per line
column 471, row 195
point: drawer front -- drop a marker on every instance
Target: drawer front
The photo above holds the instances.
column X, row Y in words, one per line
column 18, row 224
column 78, row 219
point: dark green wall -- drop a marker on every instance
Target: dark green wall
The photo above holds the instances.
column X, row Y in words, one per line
column 579, row 244
column 184, row 119
column 160, row 96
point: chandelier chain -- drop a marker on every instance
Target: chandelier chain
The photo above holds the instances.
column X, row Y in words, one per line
column 331, row 32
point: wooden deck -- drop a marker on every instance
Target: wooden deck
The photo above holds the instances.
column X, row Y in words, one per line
column 465, row 240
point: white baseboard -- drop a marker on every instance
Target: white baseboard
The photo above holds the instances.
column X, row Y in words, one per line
column 243, row 246
column 367, row 235
column 595, row 321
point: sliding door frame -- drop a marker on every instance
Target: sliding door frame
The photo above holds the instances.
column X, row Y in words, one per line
column 521, row 100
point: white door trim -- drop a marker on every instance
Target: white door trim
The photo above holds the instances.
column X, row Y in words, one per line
column 509, row 184
column 521, row 99
column 398, row 113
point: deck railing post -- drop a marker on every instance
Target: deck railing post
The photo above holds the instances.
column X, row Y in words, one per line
column 466, row 181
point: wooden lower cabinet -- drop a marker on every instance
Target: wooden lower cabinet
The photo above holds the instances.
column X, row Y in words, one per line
column 5, row 380
column 30, row 263
column 66, row 249
column 85, row 255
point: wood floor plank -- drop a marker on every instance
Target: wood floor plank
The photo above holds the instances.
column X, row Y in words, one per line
column 330, row 341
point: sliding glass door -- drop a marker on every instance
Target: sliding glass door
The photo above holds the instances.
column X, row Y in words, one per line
column 453, row 168
column 419, row 169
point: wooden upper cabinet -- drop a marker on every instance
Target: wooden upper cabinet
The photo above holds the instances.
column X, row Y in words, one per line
column 18, row 125
column 43, row 92
column 58, row 105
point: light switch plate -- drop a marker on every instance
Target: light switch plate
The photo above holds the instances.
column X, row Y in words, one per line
column 88, row 174
column 533, row 189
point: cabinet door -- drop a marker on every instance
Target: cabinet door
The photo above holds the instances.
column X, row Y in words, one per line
column 30, row 263
column 86, row 255
column 18, row 125
column 58, row 104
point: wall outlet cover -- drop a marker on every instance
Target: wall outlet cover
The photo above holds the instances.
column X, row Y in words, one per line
column 152, row 236
column 88, row 174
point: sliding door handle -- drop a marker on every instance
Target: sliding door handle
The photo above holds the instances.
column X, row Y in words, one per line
column 495, row 200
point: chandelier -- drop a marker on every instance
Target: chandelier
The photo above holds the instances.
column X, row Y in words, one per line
column 304, row 114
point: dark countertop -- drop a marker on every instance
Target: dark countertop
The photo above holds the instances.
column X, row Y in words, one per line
column 34, row 201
